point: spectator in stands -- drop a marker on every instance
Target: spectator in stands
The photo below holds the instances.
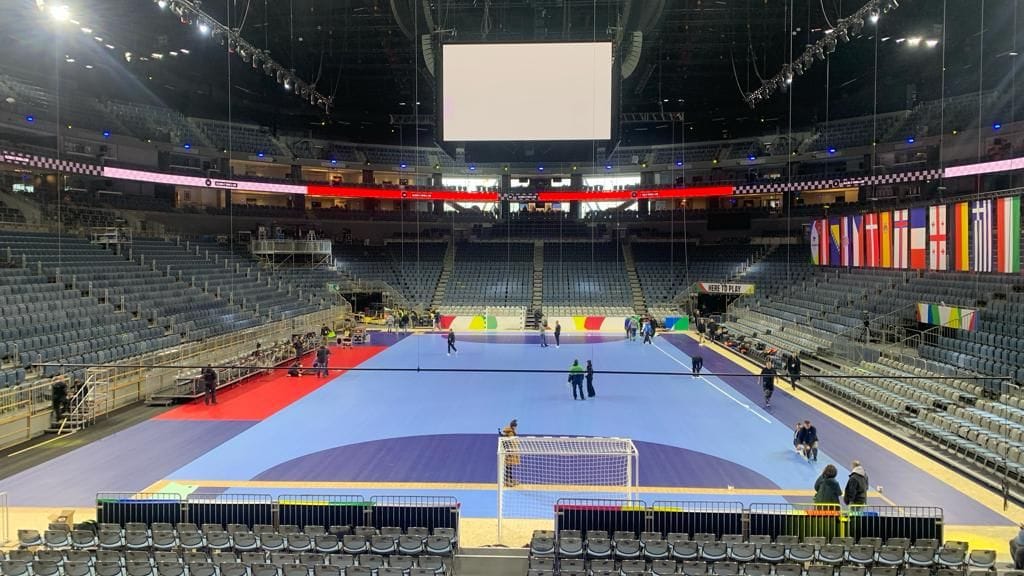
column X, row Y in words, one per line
column 210, row 384
column 857, row 485
column 59, row 397
column 826, row 488
column 768, row 381
column 793, row 369
column 696, row 363
column 542, row 329
column 866, row 319
column 798, row 438
column 590, row 380
column 321, row 359
column 810, row 441
column 701, row 329
column 576, row 376
column 451, row 343
column 558, row 333
column 297, row 344
column 511, row 460
column 1017, row 549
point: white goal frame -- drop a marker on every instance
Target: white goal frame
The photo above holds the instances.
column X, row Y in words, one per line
column 512, row 450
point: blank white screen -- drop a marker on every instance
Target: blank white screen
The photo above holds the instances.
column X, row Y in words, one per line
column 502, row 92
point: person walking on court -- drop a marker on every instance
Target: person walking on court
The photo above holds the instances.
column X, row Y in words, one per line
column 810, row 441
column 793, row 369
column 648, row 331
column 696, row 363
column 768, row 382
column 856, row 493
column 558, row 333
column 576, row 376
column 627, row 325
column 542, row 329
column 701, row 329
column 210, row 385
column 826, row 488
column 451, row 342
column 321, row 359
column 590, row 380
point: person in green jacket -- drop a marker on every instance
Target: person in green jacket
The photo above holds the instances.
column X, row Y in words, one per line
column 826, row 488
column 576, row 375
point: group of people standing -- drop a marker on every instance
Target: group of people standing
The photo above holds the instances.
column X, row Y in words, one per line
column 542, row 329
column 645, row 326
column 827, row 490
column 577, row 374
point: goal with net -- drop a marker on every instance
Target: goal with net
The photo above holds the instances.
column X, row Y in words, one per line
column 535, row 471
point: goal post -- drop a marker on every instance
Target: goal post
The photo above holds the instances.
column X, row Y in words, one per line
column 535, row 471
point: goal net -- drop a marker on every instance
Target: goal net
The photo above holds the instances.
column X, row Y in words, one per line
column 535, row 471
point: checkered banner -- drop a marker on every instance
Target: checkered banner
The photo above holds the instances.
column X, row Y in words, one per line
column 47, row 163
column 879, row 179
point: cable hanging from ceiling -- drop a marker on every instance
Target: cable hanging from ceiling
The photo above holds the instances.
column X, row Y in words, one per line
column 844, row 29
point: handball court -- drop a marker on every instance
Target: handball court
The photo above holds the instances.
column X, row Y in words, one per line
column 379, row 431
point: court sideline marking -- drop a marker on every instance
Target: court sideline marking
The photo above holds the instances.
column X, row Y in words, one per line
column 713, row 385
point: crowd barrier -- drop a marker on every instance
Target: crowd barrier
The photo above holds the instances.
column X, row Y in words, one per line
column 589, row 323
column 303, row 510
column 774, row 520
column 481, row 322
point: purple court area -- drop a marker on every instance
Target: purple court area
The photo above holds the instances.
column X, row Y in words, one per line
column 845, row 445
column 127, row 461
column 470, row 458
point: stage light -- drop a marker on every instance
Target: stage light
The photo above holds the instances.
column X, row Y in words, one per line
column 187, row 146
column 30, row 118
column 911, row 140
column 873, row 16
column 334, row 161
column 260, row 154
column 162, row 4
column 844, row 36
column 751, row 157
column 997, row 126
column 184, row 51
column 931, row 43
column 60, row 12
column 955, row 132
column 403, row 165
column 831, row 150
column 128, row 57
column 679, row 162
column 914, row 41
column 540, row 168
column 607, row 166
column 204, row 28
column 472, row 168
column 714, row 160
column 106, row 133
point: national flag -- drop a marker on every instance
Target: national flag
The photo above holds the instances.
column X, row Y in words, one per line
column 937, row 259
column 981, row 232
column 822, row 246
column 1008, row 234
column 961, row 241
column 871, row 240
column 900, row 238
column 885, row 239
column 834, row 241
column 815, row 243
column 857, row 240
column 918, row 238
column 844, row 235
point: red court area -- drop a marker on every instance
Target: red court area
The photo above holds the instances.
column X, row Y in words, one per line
column 262, row 396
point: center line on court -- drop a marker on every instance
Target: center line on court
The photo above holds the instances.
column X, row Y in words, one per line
column 713, row 385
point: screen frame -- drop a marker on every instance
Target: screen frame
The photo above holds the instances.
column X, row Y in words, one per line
column 449, row 145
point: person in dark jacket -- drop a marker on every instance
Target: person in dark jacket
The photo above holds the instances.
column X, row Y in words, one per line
column 59, row 397
column 798, row 438
column 576, row 376
column 701, row 329
column 856, row 493
column 826, row 488
column 696, row 363
column 793, row 369
column 590, row 380
column 558, row 333
column 768, row 381
column 210, row 385
column 321, row 359
column 810, row 441
column 451, row 342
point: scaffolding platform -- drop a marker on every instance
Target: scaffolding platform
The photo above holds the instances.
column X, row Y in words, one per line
column 311, row 252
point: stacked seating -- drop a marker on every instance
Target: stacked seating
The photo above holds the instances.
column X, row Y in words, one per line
column 623, row 553
column 218, row 271
column 491, row 274
column 412, row 268
column 164, row 549
column 158, row 123
column 9, row 215
column 248, row 138
column 588, row 277
column 665, row 268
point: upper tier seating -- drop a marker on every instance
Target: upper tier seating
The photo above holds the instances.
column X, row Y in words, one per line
column 584, row 275
column 491, row 274
column 412, row 268
column 664, row 268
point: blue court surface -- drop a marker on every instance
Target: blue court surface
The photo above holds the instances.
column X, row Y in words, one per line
column 383, row 432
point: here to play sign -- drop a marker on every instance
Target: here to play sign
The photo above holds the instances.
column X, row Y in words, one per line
column 722, row 288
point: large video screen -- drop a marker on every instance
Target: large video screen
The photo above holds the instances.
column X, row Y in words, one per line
column 526, row 92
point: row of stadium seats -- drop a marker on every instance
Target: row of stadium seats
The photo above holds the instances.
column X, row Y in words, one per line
column 365, row 565
column 538, row 567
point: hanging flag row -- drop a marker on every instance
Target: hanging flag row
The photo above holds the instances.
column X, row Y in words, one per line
column 969, row 236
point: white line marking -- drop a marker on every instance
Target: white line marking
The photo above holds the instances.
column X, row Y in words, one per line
column 713, row 385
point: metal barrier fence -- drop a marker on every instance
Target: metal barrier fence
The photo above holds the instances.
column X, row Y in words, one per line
column 312, row 510
column 691, row 518
column 773, row 519
column 5, row 520
column 405, row 511
column 149, row 507
column 301, row 510
column 586, row 514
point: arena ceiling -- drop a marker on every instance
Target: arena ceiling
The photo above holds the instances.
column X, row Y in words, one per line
column 695, row 56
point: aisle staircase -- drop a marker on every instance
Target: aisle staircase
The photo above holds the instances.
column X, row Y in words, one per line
column 446, row 274
column 537, row 298
column 635, row 290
